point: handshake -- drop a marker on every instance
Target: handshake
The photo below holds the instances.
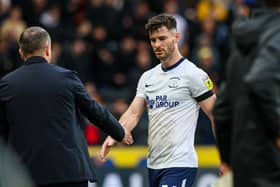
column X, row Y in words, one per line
column 127, row 139
column 110, row 142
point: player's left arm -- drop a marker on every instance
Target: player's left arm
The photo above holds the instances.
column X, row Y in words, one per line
column 207, row 106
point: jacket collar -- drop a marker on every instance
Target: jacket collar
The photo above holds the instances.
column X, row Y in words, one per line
column 35, row 60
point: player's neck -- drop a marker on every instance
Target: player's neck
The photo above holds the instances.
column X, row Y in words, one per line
column 173, row 59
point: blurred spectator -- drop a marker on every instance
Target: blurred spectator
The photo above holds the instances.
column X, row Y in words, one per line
column 206, row 56
column 126, row 54
column 157, row 5
column 10, row 30
column 75, row 11
column 93, row 93
column 76, row 57
column 84, row 29
column 143, row 62
column 6, row 61
column 51, row 20
column 215, row 36
column 104, row 67
column 141, row 13
column 110, row 16
column 215, row 9
column 96, row 10
column 100, row 39
column 51, row 17
column 171, row 7
column 119, row 106
column 32, row 10
column 5, row 6
column 12, row 27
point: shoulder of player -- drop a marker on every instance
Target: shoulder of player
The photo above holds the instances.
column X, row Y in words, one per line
column 190, row 69
column 152, row 71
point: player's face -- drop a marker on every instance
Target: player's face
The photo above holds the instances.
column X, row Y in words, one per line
column 163, row 42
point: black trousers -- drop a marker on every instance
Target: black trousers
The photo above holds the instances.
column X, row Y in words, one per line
column 73, row 184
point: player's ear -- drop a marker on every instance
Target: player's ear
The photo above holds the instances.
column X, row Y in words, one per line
column 21, row 54
column 48, row 50
column 177, row 36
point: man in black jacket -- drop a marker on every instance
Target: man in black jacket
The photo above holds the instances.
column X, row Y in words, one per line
column 247, row 110
column 41, row 105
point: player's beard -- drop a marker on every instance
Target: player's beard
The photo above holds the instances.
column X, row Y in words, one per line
column 166, row 53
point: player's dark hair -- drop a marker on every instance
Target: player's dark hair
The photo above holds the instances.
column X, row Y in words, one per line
column 161, row 20
column 32, row 39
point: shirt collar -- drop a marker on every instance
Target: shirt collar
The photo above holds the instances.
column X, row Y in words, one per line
column 35, row 59
column 172, row 66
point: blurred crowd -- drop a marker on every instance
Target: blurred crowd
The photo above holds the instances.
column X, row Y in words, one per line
column 106, row 43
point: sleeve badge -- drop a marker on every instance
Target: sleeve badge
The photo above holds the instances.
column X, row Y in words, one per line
column 208, row 83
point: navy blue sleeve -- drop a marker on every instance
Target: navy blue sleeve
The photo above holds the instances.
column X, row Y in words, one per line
column 4, row 96
column 96, row 113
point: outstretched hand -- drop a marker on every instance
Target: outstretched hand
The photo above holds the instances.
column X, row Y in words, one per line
column 106, row 146
column 110, row 142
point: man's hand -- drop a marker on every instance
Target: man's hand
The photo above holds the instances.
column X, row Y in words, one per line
column 127, row 139
column 106, row 146
column 224, row 168
column 110, row 142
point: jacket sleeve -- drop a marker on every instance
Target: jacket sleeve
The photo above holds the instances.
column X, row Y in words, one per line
column 263, row 81
column 4, row 128
column 223, row 121
column 96, row 113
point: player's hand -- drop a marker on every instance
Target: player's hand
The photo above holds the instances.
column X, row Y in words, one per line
column 224, row 168
column 106, row 146
column 127, row 139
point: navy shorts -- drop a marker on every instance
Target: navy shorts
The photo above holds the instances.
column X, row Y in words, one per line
column 172, row 177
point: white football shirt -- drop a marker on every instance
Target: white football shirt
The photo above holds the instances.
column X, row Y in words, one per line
column 172, row 97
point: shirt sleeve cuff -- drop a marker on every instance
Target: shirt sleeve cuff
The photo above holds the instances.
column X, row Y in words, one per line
column 204, row 96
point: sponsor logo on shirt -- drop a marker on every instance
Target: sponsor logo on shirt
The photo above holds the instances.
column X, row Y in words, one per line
column 161, row 101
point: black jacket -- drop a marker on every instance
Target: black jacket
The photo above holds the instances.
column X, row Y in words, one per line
column 247, row 111
column 41, row 105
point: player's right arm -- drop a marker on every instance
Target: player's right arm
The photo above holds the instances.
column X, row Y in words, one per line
column 129, row 120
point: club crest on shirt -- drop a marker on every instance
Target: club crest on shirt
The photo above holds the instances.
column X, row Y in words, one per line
column 173, row 82
column 208, row 83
